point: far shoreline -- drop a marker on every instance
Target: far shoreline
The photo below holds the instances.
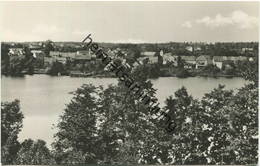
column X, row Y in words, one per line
column 110, row 76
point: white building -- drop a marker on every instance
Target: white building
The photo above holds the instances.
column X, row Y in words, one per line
column 148, row 53
column 218, row 61
column 189, row 48
column 169, row 58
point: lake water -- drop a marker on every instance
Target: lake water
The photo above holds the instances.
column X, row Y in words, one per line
column 43, row 97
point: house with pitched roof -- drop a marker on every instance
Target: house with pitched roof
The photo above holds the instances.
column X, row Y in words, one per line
column 82, row 57
column 69, row 55
column 251, row 59
column 169, row 58
column 203, row 60
column 35, row 46
column 149, row 60
column 39, row 56
column 218, row 61
column 62, row 57
column 153, row 60
column 16, row 54
column 189, row 59
column 247, row 50
column 148, row 53
column 235, row 59
column 189, row 48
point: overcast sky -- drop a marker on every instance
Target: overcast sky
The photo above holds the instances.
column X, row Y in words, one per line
column 129, row 21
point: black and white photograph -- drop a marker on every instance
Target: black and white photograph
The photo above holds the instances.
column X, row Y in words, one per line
column 129, row 83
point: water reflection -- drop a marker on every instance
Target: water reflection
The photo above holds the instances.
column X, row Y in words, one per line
column 44, row 97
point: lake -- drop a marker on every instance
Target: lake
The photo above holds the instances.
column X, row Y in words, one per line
column 43, row 97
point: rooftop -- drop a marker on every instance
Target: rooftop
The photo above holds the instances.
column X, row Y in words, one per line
column 188, row 58
column 148, row 53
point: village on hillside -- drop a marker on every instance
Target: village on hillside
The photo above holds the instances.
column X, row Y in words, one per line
column 166, row 59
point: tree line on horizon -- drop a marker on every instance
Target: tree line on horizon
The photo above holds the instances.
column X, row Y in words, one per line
column 110, row 126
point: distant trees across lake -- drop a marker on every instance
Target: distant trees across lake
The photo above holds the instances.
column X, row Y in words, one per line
column 60, row 58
